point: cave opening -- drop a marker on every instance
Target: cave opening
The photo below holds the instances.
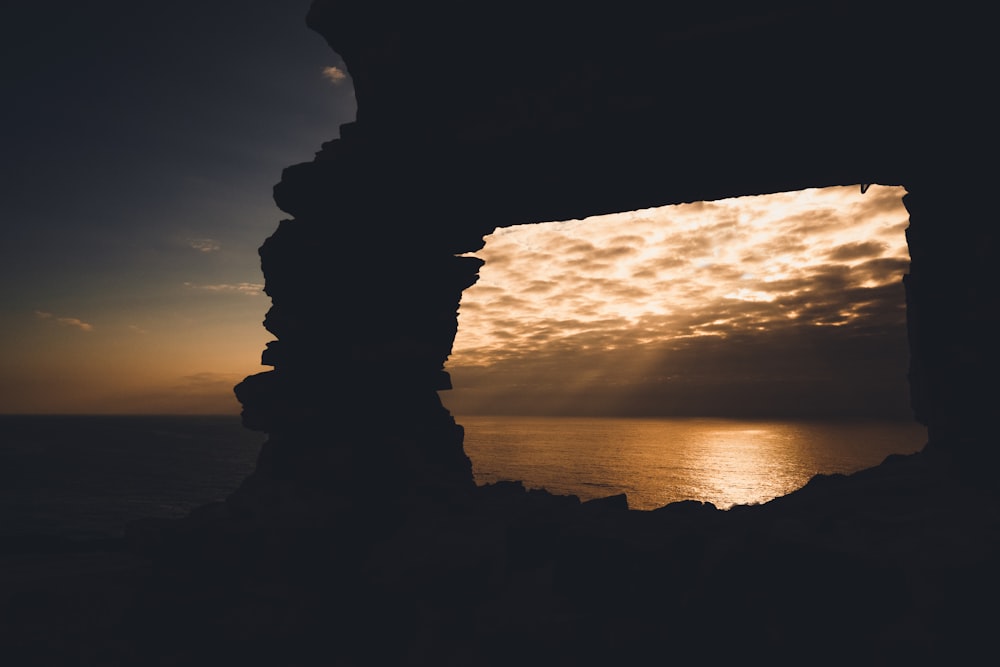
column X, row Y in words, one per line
column 764, row 336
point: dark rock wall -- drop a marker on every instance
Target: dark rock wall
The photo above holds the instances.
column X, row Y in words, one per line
column 551, row 110
column 361, row 539
column 954, row 314
column 365, row 313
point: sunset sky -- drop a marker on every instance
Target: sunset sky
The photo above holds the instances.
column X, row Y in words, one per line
column 141, row 144
column 790, row 304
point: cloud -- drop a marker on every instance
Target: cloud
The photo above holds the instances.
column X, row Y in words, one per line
column 134, row 328
column 774, row 276
column 859, row 250
column 540, row 286
column 334, row 75
column 581, row 247
column 251, row 289
column 65, row 321
column 614, row 252
column 205, row 245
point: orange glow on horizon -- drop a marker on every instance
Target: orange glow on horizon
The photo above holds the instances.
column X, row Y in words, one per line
column 170, row 365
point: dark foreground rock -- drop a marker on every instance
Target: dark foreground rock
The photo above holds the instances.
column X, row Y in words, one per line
column 361, row 540
column 892, row 565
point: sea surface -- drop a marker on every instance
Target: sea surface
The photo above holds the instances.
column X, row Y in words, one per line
column 82, row 477
column 658, row 461
column 87, row 476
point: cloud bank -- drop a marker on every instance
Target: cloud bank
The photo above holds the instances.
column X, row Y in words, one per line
column 785, row 305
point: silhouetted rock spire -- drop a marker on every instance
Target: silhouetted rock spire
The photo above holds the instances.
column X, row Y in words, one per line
column 365, row 305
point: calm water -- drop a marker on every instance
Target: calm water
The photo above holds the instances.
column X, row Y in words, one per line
column 659, row 461
column 88, row 476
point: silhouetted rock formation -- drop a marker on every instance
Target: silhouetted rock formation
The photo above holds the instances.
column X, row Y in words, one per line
column 953, row 316
column 551, row 111
column 361, row 538
column 365, row 309
column 892, row 565
column 554, row 111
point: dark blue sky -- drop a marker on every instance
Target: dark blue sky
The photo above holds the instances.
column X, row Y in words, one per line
column 140, row 145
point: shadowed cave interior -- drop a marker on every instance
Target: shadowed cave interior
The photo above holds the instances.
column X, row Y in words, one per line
column 361, row 538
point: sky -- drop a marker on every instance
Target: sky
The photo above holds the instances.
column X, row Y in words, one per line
column 786, row 305
column 140, row 146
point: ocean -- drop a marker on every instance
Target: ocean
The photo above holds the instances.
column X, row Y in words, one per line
column 658, row 461
column 79, row 477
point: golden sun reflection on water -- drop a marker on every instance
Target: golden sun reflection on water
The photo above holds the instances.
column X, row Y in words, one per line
column 659, row 461
column 739, row 466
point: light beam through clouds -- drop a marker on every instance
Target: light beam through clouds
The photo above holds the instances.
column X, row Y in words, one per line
column 781, row 305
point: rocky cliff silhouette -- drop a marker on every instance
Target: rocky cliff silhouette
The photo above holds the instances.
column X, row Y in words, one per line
column 361, row 538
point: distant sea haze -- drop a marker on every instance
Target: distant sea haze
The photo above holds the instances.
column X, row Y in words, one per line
column 80, row 477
